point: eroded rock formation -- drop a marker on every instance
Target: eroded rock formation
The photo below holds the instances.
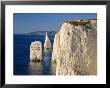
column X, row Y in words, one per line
column 47, row 46
column 56, row 46
column 36, row 51
column 47, row 43
column 75, row 48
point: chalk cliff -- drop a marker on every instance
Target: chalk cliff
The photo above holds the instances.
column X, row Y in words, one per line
column 36, row 51
column 75, row 48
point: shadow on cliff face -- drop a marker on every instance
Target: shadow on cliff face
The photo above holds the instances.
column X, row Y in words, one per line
column 47, row 52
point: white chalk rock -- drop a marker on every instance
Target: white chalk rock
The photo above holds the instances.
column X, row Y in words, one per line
column 47, row 43
column 56, row 46
column 36, row 51
column 77, row 53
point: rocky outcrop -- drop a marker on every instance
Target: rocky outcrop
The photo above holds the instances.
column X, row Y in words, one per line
column 56, row 46
column 36, row 51
column 47, row 46
column 47, row 43
column 75, row 48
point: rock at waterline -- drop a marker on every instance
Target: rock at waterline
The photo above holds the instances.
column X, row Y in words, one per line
column 36, row 51
column 76, row 53
column 47, row 43
column 47, row 52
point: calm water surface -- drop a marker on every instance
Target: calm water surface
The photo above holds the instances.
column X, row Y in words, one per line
column 22, row 64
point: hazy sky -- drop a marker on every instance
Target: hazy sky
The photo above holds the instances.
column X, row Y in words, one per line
column 31, row 22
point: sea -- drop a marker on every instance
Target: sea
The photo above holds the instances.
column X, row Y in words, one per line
column 22, row 64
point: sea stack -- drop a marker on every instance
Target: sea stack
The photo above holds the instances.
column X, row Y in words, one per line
column 76, row 52
column 47, row 43
column 47, row 46
column 56, row 46
column 36, row 51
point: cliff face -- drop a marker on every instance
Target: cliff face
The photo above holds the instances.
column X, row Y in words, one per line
column 75, row 48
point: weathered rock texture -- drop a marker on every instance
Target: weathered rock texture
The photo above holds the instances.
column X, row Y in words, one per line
column 56, row 46
column 75, row 48
column 47, row 43
column 36, row 51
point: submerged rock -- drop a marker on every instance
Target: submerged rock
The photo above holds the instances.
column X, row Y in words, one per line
column 75, row 49
column 36, row 51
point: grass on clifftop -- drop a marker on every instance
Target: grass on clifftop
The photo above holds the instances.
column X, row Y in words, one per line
column 78, row 22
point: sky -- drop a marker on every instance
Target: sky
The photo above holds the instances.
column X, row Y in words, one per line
column 31, row 22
